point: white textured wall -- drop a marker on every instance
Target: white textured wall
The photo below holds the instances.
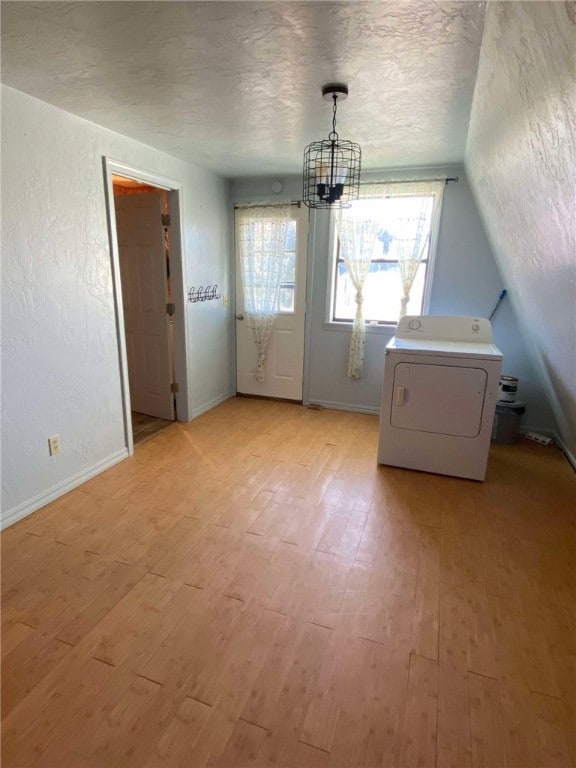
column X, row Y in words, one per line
column 520, row 159
column 60, row 370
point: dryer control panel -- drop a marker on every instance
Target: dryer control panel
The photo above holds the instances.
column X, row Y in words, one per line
column 445, row 328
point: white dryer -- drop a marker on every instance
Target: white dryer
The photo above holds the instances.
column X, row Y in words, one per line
column 439, row 395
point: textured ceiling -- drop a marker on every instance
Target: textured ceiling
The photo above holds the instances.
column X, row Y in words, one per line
column 235, row 86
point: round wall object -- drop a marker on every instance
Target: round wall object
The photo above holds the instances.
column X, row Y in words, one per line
column 276, row 186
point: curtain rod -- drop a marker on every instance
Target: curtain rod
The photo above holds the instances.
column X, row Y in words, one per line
column 269, row 204
column 446, row 179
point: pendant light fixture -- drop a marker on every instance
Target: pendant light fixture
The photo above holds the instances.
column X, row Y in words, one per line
column 332, row 166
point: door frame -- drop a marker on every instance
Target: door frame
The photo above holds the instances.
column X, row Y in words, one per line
column 302, row 241
column 177, row 276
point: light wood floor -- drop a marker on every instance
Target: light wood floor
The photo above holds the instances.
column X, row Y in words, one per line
column 252, row 589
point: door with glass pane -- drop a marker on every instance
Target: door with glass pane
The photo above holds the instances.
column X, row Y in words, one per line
column 284, row 361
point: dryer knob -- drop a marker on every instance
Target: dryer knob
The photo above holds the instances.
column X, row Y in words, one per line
column 414, row 325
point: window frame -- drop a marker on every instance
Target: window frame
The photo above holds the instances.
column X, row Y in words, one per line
column 334, row 323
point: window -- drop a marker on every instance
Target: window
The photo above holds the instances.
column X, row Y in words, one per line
column 405, row 225
column 269, row 284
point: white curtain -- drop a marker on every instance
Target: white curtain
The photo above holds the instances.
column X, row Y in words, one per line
column 357, row 237
column 261, row 241
column 420, row 218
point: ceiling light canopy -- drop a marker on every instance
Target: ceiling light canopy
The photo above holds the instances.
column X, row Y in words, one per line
column 332, row 166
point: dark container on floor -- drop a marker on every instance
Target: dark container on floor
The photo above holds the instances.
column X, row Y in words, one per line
column 507, row 422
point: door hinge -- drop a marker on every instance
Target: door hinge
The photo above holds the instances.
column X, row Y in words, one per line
column 174, row 387
column 165, row 219
column 170, row 308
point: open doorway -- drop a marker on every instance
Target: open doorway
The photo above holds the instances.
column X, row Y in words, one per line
column 143, row 234
column 149, row 300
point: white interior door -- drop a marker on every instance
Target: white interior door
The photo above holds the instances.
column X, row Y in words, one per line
column 285, row 355
column 144, row 295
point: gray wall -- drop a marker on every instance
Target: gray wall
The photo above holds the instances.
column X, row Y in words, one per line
column 466, row 282
column 520, row 156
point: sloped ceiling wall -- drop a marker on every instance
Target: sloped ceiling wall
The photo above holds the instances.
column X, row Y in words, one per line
column 521, row 159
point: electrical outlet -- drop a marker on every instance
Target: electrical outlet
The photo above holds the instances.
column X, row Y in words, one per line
column 542, row 439
column 54, row 445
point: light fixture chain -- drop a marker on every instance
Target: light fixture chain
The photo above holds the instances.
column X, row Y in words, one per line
column 334, row 135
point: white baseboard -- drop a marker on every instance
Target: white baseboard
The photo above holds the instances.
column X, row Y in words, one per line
column 571, row 458
column 335, row 406
column 212, row 404
column 40, row 500
column 562, row 445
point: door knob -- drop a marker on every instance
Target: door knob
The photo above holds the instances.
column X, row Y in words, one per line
column 240, row 317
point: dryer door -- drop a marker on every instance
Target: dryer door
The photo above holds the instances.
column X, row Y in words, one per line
column 443, row 399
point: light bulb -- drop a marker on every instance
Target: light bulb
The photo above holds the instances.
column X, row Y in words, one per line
column 331, row 169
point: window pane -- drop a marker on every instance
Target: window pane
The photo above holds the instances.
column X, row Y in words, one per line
column 286, row 299
column 382, row 293
column 291, row 236
column 286, row 296
column 405, row 223
column 399, row 219
column 289, row 273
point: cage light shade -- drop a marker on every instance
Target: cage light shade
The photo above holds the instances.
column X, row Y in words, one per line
column 331, row 173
